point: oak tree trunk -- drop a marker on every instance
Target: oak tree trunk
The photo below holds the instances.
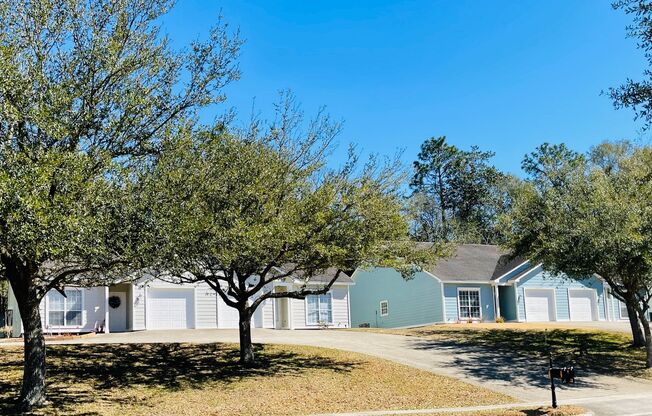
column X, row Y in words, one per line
column 32, row 393
column 648, row 338
column 246, row 346
column 637, row 331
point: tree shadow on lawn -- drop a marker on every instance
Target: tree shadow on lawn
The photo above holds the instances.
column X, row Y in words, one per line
column 99, row 368
column 520, row 357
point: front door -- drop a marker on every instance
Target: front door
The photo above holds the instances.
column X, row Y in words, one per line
column 117, row 311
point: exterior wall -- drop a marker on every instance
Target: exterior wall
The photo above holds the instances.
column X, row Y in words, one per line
column 507, row 298
column 93, row 312
column 17, row 327
column 267, row 313
column 413, row 302
column 205, row 302
column 487, row 304
column 541, row 279
column 139, row 304
column 205, row 306
column 339, row 304
column 264, row 314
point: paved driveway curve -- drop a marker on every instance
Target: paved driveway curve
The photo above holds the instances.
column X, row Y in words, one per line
column 496, row 370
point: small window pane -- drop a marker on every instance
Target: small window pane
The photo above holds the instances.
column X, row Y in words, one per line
column 74, row 318
column 56, row 318
column 73, row 302
column 313, row 317
column 55, row 301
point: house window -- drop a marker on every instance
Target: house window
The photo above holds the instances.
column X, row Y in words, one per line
column 469, row 303
column 65, row 311
column 320, row 309
column 384, row 308
column 624, row 314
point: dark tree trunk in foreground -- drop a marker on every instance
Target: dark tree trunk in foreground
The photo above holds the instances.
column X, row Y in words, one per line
column 246, row 346
column 648, row 338
column 637, row 331
column 32, row 393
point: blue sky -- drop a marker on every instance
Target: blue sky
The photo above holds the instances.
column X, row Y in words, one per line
column 503, row 75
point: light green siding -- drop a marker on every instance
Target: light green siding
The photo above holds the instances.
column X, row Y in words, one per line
column 410, row 302
column 486, row 301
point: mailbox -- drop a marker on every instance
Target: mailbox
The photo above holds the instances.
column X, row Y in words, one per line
column 565, row 374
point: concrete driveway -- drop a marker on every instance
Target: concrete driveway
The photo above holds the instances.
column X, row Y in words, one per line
column 496, row 370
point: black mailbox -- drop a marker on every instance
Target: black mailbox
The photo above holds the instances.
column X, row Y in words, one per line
column 565, row 374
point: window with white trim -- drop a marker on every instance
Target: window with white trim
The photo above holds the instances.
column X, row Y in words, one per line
column 65, row 311
column 624, row 313
column 319, row 309
column 384, row 308
column 469, row 303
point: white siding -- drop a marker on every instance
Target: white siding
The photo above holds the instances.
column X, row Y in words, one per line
column 139, row 305
column 93, row 312
column 264, row 314
column 340, row 305
column 268, row 313
column 206, row 302
column 298, row 313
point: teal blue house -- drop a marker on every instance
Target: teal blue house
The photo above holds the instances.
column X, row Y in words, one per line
column 478, row 284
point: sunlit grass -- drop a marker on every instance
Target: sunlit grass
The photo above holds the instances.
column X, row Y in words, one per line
column 193, row 379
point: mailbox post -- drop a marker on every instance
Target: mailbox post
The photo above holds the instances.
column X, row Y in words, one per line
column 552, row 382
column 552, row 379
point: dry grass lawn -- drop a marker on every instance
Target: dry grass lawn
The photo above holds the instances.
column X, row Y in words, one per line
column 593, row 351
column 191, row 379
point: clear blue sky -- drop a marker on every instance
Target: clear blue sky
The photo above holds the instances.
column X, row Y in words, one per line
column 503, row 75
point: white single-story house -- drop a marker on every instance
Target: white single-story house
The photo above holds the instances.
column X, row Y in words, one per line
column 152, row 304
column 479, row 283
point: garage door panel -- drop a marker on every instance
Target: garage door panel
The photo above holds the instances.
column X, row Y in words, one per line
column 170, row 308
column 582, row 305
column 539, row 305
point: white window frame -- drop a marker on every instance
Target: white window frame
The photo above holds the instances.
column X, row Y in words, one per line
column 459, row 306
column 319, row 322
column 622, row 304
column 386, row 302
column 65, row 310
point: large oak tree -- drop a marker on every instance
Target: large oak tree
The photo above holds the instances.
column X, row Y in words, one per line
column 243, row 210
column 87, row 88
column 591, row 215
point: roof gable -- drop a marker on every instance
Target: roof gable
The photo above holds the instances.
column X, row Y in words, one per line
column 475, row 263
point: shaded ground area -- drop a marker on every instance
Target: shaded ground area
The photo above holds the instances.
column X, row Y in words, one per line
column 519, row 354
column 163, row 379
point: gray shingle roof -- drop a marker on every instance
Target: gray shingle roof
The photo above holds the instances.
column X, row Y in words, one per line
column 324, row 277
column 475, row 263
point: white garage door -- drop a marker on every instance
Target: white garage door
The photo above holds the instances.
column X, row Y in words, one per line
column 539, row 305
column 227, row 317
column 582, row 304
column 170, row 308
